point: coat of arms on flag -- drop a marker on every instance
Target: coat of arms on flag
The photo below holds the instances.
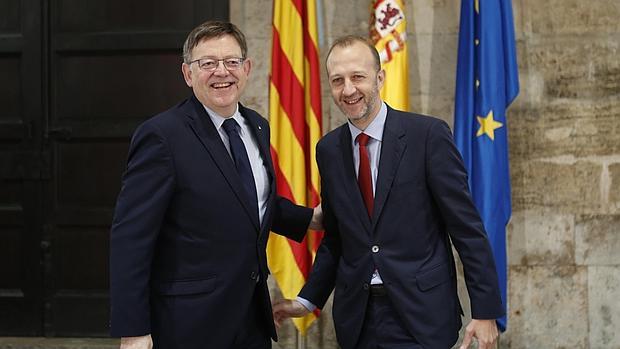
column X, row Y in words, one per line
column 388, row 32
column 387, row 16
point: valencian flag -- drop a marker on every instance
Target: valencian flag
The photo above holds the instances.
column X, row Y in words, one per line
column 388, row 31
column 487, row 82
column 295, row 119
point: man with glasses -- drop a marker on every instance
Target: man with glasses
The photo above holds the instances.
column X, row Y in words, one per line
column 188, row 265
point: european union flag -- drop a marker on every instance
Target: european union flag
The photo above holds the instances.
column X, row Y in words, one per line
column 487, row 82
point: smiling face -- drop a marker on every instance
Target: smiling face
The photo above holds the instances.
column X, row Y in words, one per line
column 218, row 90
column 355, row 82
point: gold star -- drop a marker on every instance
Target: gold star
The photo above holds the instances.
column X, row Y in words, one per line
column 488, row 125
column 477, row 5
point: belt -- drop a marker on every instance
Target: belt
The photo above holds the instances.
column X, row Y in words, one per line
column 377, row 290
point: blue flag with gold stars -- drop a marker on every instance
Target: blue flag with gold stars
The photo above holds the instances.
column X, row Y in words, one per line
column 487, row 82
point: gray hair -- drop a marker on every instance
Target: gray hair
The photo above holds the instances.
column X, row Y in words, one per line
column 209, row 30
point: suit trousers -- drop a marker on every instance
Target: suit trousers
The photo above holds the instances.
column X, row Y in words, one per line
column 383, row 328
column 253, row 333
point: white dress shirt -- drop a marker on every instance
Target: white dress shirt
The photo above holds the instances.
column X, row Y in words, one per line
column 251, row 146
column 375, row 131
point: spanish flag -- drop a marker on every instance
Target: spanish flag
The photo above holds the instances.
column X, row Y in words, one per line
column 295, row 119
column 388, row 31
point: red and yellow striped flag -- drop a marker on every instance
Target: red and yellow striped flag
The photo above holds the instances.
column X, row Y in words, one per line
column 295, row 118
column 388, row 31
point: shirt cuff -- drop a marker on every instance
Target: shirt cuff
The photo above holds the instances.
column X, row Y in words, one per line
column 306, row 303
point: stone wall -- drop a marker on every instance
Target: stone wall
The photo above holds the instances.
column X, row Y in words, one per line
column 565, row 151
column 564, row 237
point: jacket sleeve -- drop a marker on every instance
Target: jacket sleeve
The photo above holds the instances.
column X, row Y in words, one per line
column 290, row 220
column 448, row 184
column 146, row 190
column 322, row 278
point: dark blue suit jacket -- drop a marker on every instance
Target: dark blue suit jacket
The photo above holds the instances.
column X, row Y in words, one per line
column 185, row 254
column 422, row 202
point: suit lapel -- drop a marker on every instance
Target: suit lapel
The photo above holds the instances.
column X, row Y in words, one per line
column 392, row 149
column 261, row 134
column 350, row 179
column 200, row 123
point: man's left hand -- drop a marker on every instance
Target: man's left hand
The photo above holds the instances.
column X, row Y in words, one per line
column 286, row 308
column 485, row 331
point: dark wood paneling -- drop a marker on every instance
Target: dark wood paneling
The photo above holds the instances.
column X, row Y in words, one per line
column 19, row 314
column 21, row 286
column 109, row 42
column 118, row 85
column 12, row 299
column 10, row 196
column 9, row 16
column 70, row 319
column 89, row 173
column 12, row 128
column 83, row 246
column 124, row 16
column 10, row 89
column 11, row 237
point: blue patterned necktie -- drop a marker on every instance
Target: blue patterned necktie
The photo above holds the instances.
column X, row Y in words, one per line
column 242, row 162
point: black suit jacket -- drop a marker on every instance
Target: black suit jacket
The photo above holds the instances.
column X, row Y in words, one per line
column 421, row 202
column 185, row 253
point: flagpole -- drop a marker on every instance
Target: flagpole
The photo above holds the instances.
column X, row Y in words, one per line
column 301, row 340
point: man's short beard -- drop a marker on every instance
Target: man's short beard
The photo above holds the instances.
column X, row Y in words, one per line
column 374, row 95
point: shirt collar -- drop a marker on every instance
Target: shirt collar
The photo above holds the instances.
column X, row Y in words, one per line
column 218, row 120
column 374, row 129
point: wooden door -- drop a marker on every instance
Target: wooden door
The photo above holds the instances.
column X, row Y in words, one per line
column 22, row 168
column 75, row 94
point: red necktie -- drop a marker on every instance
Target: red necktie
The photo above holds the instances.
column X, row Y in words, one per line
column 364, row 179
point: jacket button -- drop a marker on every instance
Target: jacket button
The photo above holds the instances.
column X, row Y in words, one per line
column 253, row 275
column 375, row 249
column 366, row 287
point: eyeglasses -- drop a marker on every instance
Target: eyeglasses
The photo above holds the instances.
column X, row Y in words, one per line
column 211, row 64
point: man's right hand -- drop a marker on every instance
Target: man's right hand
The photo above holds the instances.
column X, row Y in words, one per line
column 286, row 308
column 142, row 342
column 317, row 219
